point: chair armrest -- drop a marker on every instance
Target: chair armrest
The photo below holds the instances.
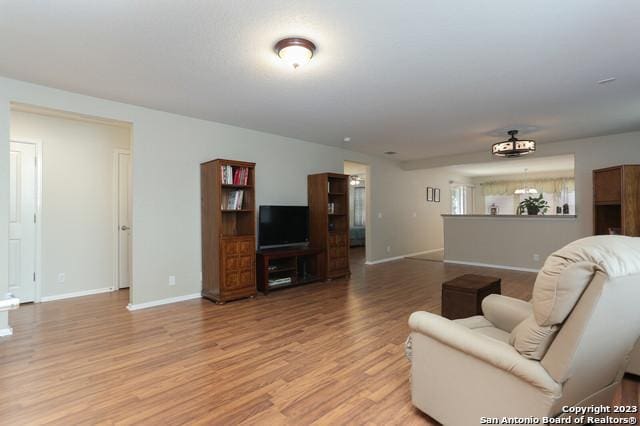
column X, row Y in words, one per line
column 505, row 312
column 493, row 352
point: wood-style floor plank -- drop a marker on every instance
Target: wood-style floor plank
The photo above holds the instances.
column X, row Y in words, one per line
column 326, row 353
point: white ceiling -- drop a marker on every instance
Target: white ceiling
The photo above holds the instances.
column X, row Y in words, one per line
column 558, row 163
column 420, row 77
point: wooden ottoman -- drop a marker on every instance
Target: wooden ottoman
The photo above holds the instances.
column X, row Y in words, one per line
column 462, row 296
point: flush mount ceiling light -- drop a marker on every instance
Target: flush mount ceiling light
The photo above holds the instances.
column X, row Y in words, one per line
column 295, row 51
column 513, row 147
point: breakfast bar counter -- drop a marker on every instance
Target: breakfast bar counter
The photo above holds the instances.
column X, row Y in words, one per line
column 519, row 242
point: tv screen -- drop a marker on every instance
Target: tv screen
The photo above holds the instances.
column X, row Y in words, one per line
column 283, row 226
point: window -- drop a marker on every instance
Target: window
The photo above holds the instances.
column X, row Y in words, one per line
column 559, row 193
column 504, row 204
column 461, row 199
column 358, row 206
column 508, row 204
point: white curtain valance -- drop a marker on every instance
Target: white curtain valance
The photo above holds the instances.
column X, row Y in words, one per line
column 554, row 186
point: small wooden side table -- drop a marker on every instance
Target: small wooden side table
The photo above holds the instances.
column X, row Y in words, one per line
column 462, row 296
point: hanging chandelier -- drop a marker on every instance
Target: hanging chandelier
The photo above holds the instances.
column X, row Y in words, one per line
column 526, row 189
column 513, row 147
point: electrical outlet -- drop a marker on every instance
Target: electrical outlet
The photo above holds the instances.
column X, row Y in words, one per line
column 379, row 215
column 61, row 278
column 388, row 249
column 172, row 280
column 415, row 214
column 536, row 257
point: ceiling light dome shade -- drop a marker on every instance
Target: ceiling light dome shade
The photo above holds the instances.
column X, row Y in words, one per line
column 295, row 51
column 513, row 147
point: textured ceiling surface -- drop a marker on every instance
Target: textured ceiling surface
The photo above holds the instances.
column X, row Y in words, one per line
column 421, row 77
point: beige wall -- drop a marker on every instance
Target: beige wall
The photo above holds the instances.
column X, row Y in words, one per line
column 590, row 154
column 167, row 150
column 408, row 224
column 505, row 241
column 77, row 198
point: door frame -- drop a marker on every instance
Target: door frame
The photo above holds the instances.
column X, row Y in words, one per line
column 368, row 219
column 38, row 238
column 116, row 230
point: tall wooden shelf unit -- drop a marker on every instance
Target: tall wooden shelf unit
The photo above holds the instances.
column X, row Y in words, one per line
column 616, row 200
column 228, row 230
column 329, row 230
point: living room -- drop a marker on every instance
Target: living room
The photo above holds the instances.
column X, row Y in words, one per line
column 193, row 83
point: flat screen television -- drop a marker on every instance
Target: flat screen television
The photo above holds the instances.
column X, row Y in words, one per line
column 281, row 226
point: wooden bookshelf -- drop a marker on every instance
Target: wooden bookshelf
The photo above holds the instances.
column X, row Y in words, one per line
column 228, row 230
column 329, row 230
column 616, row 200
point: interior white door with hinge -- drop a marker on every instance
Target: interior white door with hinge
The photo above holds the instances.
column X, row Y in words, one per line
column 22, row 218
column 123, row 174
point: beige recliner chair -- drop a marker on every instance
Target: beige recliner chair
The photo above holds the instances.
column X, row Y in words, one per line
column 569, row 346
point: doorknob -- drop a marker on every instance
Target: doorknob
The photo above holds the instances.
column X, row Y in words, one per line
column 124, row 228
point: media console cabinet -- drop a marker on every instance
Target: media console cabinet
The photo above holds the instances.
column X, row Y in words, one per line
column 286, row 267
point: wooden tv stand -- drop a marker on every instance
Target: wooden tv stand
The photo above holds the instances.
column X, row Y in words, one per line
column 300, row 265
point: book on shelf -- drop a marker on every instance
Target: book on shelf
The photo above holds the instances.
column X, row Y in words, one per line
column 232, row 200
column 234, row 175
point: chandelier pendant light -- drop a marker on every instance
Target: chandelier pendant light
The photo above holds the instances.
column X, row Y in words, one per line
column 513, row 147
column 295, row 51
column 526, row 189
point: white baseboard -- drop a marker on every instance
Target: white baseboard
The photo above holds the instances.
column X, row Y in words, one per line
column 489, row 265
column 391, row 259
column 6, row 331
column 76, row 294
column 135, row 307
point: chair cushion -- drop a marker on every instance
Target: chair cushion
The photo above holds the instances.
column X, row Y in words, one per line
column 567, row 272
column 558, row 287
column 564, row 277
column 479, row 324
column 532, row 340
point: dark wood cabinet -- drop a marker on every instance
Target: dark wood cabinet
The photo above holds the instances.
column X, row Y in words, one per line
column 462, row 296
column 286, row 267
column 228, row 230
column 616, row 200
column 329, row 221
column 607, row 185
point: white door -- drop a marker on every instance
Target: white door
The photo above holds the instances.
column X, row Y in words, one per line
column 124, row 220
column 22, row 217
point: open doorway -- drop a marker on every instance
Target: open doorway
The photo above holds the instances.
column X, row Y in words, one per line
column 358, row 181
column 512, row 187
column 70, row 204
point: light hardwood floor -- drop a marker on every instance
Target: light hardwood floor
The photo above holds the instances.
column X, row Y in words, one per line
column 330, row 353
